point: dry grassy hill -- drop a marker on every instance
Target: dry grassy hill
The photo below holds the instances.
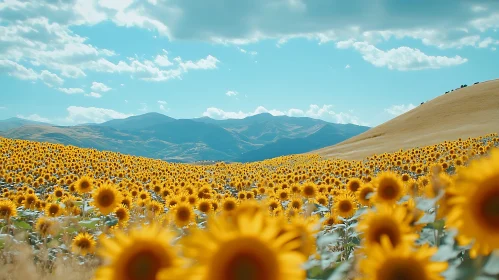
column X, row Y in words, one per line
column 468, row 112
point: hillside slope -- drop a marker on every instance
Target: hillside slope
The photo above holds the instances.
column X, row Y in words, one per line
column 327, row 135
column 463, row 113
column 13, row 123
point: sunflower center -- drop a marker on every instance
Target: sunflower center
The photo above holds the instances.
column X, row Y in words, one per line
column 143, row 265
column 204, row 207
column 183, row 214
column 53, row 209
column 489, row 209
column 401, row 269
column 245, row 259
column 309, row 191
column 388, row 191
column 229, row 205
column 84, row 185
column 295, row 204
column 84, row 244
column 4, row 212
column 120, row 214
column 345, row 206
column 354, row 186
column 384, row 227
column 106, row 198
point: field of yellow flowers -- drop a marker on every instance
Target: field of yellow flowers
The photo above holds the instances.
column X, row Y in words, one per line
column 425, row 213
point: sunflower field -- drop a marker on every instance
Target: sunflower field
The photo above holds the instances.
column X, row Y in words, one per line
column 425, row 213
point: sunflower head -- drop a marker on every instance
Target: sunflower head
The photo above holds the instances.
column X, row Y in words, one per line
column 253, row 250
column 182, row 214
column 45, row 226
column 143, row 253
column 344, row 205
column 106, row 197
column 53, row 209
column 7, row 209
column 387, row 262
column 386, row 220
column 389, row 188
column 84, row 185
column 83, row 244
column 475, row 205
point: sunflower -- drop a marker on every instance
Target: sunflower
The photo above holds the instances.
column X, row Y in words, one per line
column 122, row 213
column 296, row 202
column 140, row 254
column 58, row 192
column 475, row 207
column 251, row 250
column 30, row 201
column 389, row 188
column 386, row 220
column 182, row 214
column 309, row 190
column 344, row 205
column 363, row 194
column 330, row 219
column 7, row 209
column 45, row 226
column 84, row 185
column 229, row 204
column 204, row 205
column 386, row 262
column 354, row 184
column 53, row 209
column 83, row 244
column 106, row 198
column 322, row 200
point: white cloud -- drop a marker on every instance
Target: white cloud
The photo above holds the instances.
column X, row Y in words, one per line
column 231, row 93
column 21, row 72
column 405, row 58
column 71, row 90
column 162, row 105
column 100, row 87
column 210, row 62
column 397, row 110
column 118, row 5
column 34, row 117
column 347, row 66
column 50, row 79
column 253, row 53
column 17, row 70
column 79, row 115
column 162, row 60
column 314, row 111
column 3, row 107
column 94, row 95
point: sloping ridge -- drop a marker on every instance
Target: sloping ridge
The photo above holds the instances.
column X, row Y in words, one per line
column 467, row 112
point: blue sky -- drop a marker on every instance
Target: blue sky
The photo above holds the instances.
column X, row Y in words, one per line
column 77, row 61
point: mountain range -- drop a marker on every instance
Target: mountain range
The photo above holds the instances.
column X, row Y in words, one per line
column 155, row 135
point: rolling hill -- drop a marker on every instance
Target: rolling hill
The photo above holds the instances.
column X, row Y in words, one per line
column 325, row 136
column 17, row 122
column 467, row 112
column 187, row 140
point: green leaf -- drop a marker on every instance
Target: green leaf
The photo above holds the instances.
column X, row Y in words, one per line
column 492, row 265
column 88, row 224
column 340, row 271
column 22, row 225
column 327, row 239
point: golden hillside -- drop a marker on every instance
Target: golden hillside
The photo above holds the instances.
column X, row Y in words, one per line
column 463, row 113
